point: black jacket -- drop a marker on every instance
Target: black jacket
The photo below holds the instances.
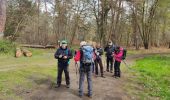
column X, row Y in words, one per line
column 109, row 51
column 64, row 52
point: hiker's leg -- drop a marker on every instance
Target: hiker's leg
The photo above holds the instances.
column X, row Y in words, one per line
column 67, row 77
column 81, row 82
column 89, row 80
column 115, row 68
column 107, row 61
column 96, row 67
column 93, row 67
column 59, row 77
column 111, row 64
column 118, row 66
column 101, row 66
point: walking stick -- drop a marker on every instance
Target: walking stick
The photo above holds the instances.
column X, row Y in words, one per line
column 76, row 67
column 128, row 66
column 105, row 62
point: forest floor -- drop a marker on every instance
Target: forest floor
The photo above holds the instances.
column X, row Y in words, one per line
column 34, row 79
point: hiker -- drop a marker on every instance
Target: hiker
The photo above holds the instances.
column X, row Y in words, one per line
column 94, row 57
column 109, row 49
column 59, row 44
column 85, row 57
column 118, row 54
column 98, row 60
column 63, row 54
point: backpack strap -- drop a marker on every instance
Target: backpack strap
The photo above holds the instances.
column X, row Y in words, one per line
column 66, row 51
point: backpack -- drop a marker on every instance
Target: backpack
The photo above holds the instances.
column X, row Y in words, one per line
column 124, row 54
column 87, row 57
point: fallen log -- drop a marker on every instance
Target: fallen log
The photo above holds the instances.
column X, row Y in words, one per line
column 18, row 53
column 27, row 53
column 39, row 46
column 50, row 46
column 33, row 46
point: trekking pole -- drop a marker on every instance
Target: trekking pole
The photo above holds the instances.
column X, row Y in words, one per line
column 128, row 66
column 105, row 63
column 76, row 67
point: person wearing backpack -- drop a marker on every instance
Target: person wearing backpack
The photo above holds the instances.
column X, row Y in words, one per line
column 63, row 54
column 85, row 57
column 98, row 60
column 109, row 49
column 118, row 56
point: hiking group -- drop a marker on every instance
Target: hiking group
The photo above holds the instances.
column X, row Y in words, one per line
column 87, row 59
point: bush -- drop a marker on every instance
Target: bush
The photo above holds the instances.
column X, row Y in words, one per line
column 6, row 46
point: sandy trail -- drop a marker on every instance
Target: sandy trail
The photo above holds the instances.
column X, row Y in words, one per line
column 107, row 88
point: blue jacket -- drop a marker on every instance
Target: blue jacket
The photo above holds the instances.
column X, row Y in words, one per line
column 64, row 52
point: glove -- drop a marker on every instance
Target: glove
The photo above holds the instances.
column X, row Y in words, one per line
column 97, row 53
column 60, row 56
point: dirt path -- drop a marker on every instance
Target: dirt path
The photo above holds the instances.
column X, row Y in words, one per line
column 107, row 88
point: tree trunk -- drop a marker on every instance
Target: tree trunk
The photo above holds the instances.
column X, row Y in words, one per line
column 136, row 42
column 169, row 45
column 135, row 32
column 146, row 45
column 2, row 17
column 38, row 21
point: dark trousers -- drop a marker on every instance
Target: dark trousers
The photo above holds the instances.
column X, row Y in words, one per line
column 84, row 73
column 59, row 78
column 98, row 62
column 109, row 63
column 117, row 69
column 93, row 65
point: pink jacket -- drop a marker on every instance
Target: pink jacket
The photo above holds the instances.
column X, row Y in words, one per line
column 118, row 57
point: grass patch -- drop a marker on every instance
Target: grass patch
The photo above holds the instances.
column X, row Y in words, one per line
column 19, row 75
column 154, row 77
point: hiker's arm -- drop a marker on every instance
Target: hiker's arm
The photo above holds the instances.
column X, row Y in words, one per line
column 70, row 55
column 105, row 49
column 56, row 55
column 101, row 51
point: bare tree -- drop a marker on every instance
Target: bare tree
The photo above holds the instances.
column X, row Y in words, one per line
column 2, row 16
column 144, row 22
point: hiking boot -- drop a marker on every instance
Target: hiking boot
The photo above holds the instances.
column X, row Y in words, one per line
column 102, row 76
column 117, row 77
column 90, row 96
column 80, row 96
column 107, row 70
column 68, row 86
column 57, row 85
column 114, row 76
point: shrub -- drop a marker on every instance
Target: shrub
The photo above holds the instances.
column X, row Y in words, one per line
column 6, row 46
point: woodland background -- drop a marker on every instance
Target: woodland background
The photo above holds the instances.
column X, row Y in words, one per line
column 137, row 23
